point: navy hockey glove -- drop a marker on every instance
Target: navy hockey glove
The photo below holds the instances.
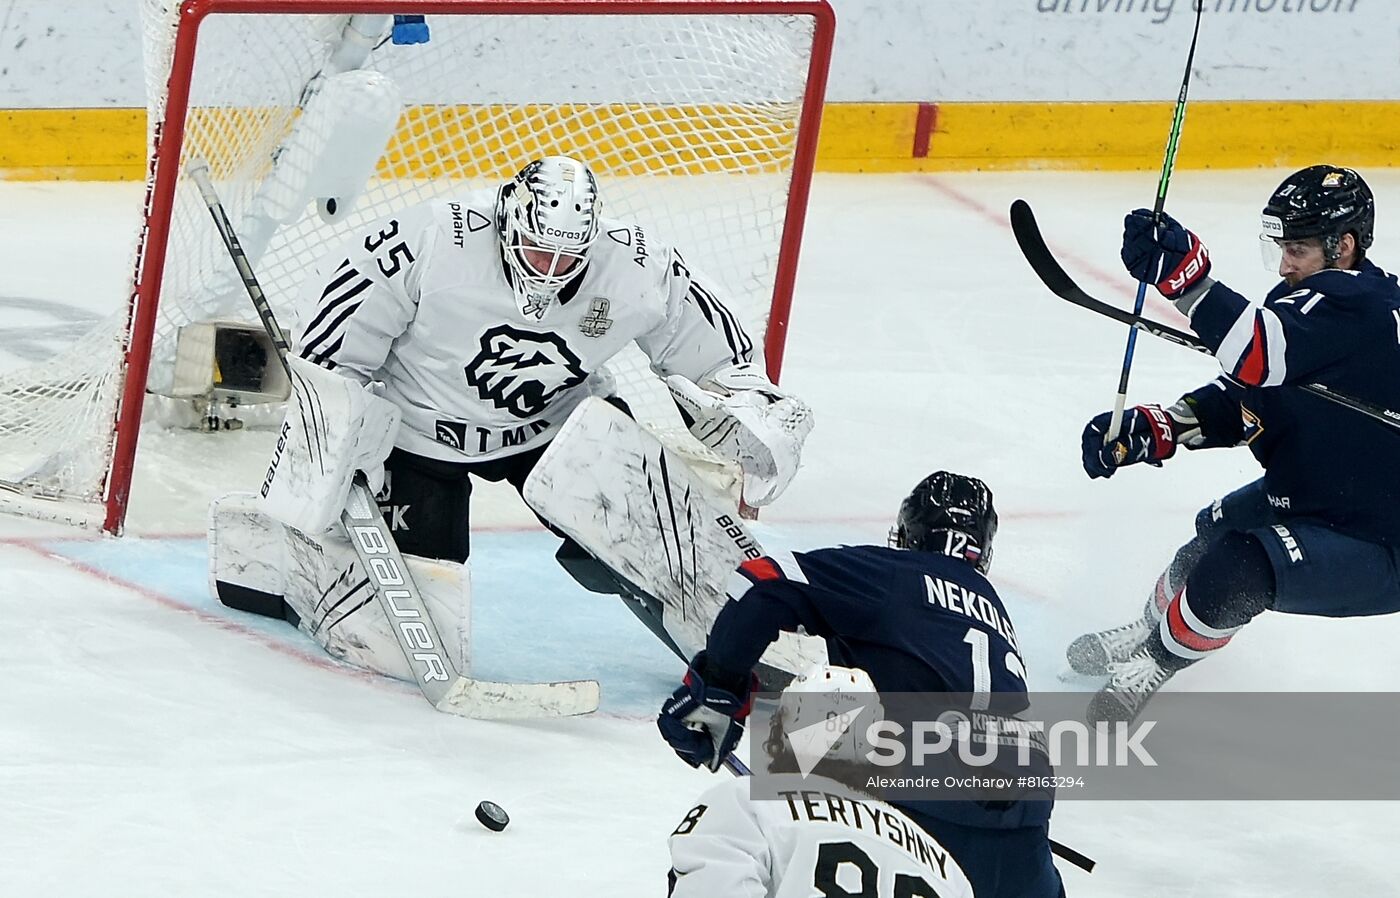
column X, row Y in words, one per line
column 1165, row 255
column 1148, row 433
column 704, row 723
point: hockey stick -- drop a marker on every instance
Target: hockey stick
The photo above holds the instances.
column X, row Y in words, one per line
column 1168, row 163
column 1054, row 276
column 442, row 685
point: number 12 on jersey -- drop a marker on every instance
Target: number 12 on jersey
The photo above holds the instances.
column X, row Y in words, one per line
column 982, row 667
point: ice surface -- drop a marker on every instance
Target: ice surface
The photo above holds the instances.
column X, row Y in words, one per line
column 156, row 743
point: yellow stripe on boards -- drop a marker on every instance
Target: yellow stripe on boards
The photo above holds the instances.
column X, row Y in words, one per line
column 1109, row 136
column 490, row 142
column 73, row 144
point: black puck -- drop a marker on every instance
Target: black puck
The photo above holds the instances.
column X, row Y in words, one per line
column 492, row 816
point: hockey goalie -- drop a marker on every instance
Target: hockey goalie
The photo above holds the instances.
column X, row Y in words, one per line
column 451, row 342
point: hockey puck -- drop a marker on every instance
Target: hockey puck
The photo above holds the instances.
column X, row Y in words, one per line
column 492, row 816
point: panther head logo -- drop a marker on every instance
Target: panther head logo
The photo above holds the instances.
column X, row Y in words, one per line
column 522, row 371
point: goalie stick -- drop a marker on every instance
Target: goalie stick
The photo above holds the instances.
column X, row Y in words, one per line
column 442, row 685
column 1054, row 276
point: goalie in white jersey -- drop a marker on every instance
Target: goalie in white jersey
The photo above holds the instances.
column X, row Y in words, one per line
column 820, row 836
column 451, row 341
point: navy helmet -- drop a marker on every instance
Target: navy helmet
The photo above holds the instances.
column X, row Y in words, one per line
column 951, row 514
column 1323, row 201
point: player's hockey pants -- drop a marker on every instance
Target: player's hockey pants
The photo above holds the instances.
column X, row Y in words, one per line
column 1246, row 558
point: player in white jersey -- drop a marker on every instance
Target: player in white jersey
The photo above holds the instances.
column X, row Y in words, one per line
column 818, row 836
column 451, row 340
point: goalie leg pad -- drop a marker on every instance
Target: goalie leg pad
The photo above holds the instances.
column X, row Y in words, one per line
column 333, row 428
column 329, row 591
column 245, row 557
column 635, row 505
column 256, row 564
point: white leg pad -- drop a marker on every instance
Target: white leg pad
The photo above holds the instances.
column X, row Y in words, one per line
column 320, row 578
column 245, row 545
column 636, row 506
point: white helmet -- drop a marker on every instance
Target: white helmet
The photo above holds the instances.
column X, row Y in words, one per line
column 838, row 704
column 547, row 218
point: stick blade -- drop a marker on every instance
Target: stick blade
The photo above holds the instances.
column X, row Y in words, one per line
column 1042, row 261
column 488, row 700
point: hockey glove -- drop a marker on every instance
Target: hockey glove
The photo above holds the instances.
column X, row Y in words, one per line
column 703, row 723
column 741, row 415
column 1148, row 434
column 1163, row 253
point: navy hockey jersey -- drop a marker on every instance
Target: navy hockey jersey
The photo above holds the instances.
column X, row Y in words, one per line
column 1323, row 461
column 915, row 621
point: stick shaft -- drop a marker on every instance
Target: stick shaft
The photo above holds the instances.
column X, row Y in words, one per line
column 1168, row 164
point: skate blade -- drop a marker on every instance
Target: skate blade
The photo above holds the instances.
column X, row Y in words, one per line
column 1075, row 678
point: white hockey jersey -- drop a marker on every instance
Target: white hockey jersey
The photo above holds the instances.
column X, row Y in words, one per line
column 815, row 840
column 420, row 301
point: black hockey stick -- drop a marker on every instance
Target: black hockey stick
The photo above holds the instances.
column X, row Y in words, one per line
column 1054, row 276
column 399, row 598
column 1168, row 163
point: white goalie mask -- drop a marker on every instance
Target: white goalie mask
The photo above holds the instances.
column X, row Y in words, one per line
column 547, row 218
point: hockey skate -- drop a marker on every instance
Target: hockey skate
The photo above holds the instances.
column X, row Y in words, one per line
column 1133, row 683
column 1093, row 654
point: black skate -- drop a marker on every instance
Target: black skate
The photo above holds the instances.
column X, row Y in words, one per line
column 1133, row 682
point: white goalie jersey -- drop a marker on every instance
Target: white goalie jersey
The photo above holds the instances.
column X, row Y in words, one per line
column 420, row 302
column 816, row 839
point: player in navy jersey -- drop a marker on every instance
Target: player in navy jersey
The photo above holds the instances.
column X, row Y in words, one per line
column 1319, row 533
column 917, row 616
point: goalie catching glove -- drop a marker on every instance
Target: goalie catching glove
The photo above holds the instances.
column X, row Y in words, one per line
column 742, row 416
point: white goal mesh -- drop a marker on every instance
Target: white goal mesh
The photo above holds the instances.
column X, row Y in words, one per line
column 697, row 124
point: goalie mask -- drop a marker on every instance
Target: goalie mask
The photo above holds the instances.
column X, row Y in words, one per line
column 951, row 514
column 547, row 218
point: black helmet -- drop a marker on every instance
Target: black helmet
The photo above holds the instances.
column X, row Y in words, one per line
column 945, row 503
column 1322, row 201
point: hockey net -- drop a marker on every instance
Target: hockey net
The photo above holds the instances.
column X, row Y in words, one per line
column 699, row 117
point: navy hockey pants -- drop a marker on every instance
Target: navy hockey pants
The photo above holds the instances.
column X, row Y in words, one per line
column 1000, row 863
column 1316, row 570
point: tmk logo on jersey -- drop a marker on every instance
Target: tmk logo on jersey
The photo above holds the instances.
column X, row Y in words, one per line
column 522, row 371
column 451, row 433
column 596, row 322
column 1290, row 544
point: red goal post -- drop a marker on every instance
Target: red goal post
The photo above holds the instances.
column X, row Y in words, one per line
column 700, row 117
